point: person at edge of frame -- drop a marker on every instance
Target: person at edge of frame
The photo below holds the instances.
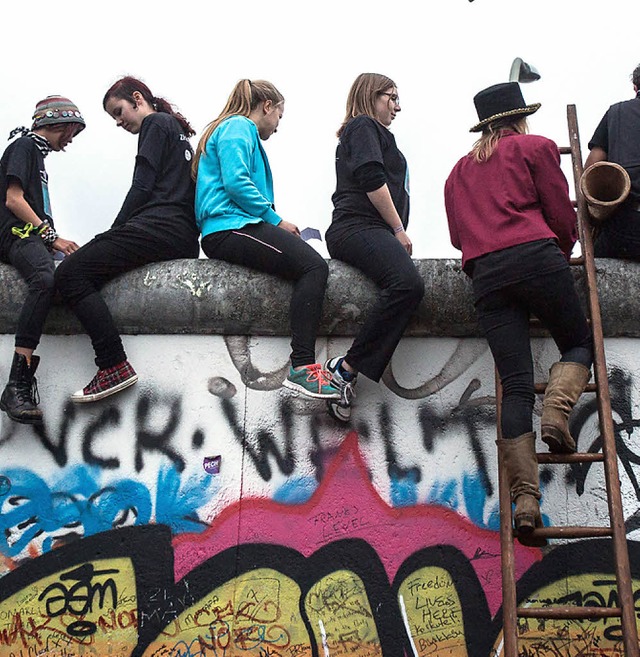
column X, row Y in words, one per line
column 616, row 139
column 28, row 240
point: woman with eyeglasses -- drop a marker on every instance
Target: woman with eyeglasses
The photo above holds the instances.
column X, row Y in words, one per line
column 370, row 217
column 236, row 215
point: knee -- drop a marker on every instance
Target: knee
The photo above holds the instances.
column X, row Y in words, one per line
column 411, row 287
column 42, row 280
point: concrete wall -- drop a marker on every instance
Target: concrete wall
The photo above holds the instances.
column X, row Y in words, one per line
column 206, row 511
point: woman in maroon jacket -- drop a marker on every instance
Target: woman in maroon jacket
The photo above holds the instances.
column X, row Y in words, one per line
column 510, row 214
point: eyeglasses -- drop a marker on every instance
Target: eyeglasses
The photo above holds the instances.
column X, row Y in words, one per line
column 394, row 98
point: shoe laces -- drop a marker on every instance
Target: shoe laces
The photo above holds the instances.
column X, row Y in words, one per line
column 317, row 373
column 28, row 391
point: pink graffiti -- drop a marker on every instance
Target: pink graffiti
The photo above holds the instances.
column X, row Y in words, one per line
column 346, row 505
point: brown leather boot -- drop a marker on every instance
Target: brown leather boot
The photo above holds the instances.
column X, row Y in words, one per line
column 519, row 457
column 567, row 382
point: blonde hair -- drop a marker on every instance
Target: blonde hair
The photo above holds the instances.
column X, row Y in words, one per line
column 362, row 96
column 483, row 149
column 245, row 97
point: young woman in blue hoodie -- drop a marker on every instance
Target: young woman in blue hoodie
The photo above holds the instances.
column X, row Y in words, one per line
column 236, row 216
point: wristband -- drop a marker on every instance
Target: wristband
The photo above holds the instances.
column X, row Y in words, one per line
column 398, row 229
column 47, row 234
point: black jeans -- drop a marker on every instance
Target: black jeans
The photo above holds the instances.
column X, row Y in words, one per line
column 504, row 318
column 35, row 264
column 273, row 250
column 81, row 275
column 377, row 253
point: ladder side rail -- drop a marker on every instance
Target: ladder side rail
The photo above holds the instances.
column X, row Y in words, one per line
column 507, row 556
column 616, row 514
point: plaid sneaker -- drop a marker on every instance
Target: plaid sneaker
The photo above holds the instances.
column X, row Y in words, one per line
column 312, row 381
column 107, row 382
column 340, row 410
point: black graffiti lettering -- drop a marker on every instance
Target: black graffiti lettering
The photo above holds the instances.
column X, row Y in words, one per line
column 157, row 441
column 109, row 417
column 265, row 443
column 80, row 598
column 58, row 450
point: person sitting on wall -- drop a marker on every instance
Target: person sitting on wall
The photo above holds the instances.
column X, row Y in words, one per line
column 510, row 214
column 370, row 217
column 236, row 215
column 616, row 140
column 156, row 223
column 28, row 240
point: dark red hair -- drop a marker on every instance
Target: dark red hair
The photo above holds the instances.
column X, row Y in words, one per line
column 125, row 88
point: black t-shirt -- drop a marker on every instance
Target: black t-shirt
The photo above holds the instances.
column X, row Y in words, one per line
column 161, row 200
column 22, row 161
column 365, row 141
column 618, row 133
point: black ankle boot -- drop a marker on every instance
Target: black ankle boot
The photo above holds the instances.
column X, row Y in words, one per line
column 20, row 397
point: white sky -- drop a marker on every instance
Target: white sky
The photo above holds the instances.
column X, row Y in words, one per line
column 439, row 52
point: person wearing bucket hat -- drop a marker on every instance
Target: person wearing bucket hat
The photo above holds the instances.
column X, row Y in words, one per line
column 510, row 214
column 156, row 222
column 28, row 240
column 615, row 139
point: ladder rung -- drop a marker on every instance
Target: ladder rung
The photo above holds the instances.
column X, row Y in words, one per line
column 577, row 457
column 569, row 612
column 564, row 150
column 567, row 532
column 541, row 387
column 577, row 261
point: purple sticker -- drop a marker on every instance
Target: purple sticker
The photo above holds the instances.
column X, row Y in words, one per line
column 211, row 464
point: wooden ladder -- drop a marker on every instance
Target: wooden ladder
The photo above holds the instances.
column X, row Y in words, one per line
column 616, row 529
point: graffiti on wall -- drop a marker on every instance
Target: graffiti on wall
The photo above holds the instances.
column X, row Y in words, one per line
column 234, row 519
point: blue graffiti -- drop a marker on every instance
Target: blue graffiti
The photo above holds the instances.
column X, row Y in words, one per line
column 471, row 492
column 296, row 490
column 77, row 504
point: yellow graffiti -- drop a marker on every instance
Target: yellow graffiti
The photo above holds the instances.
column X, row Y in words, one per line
column 341, row 617
column 572, row 638
column 88, row 609
column 432, row 613
column 253, row 614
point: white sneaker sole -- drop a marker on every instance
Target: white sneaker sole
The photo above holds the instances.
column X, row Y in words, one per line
column 338, row 411
column 80, row 398
column 315, row 395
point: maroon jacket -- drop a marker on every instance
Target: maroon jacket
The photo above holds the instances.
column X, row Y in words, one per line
column 516, row 196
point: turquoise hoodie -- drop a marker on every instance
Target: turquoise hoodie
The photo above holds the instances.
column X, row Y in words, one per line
column 234, row 186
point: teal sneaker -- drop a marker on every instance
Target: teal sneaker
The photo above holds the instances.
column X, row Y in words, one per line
column 312, row 381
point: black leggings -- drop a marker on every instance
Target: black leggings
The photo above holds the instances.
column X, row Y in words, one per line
column 35, row 264
column 504, row 318
column 273, row 250
column 81, row 275
column 377, row 253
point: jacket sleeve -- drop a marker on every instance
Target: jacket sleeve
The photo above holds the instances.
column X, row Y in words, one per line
column 236, row 145
column 553, row 193
column 449, row 207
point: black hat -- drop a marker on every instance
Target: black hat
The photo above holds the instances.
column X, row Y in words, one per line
column 504, row 99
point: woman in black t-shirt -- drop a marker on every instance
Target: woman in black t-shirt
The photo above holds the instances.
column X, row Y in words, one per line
column 28, row 240
column 156, row 223
column 370, row 216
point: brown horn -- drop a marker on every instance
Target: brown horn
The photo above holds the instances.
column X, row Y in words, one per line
column 605, row 186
